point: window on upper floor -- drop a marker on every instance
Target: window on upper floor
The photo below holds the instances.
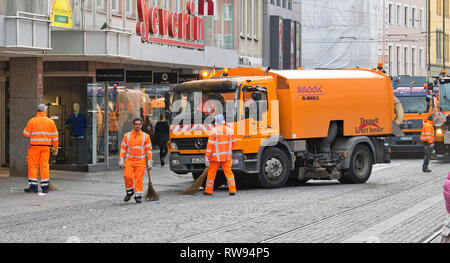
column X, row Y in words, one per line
column 399, row 15
column 422, row 19
column 413, row 17
column 391, row 13
column 406, row 16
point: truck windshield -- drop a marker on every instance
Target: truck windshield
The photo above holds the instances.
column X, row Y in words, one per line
column 200, row 107
column 414, row 104
column 445, row 97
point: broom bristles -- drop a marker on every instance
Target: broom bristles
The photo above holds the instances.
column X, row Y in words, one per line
column 197, row 183
column 52, row 187
column 151, row 194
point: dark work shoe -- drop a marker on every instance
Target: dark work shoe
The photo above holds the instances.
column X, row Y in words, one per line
column 232, row 193
column 30, row 190
column 127, row 197
column 162, row 163
column 138, row 199
column 426, row 170
column 205, row 193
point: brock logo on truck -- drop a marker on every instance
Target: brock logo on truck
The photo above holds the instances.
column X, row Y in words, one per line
column 369, row 126
column 310, row 92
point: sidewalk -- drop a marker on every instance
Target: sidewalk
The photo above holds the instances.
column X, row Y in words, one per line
column 80, row 187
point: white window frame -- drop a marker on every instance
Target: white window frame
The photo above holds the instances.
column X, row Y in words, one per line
column 413, row 61
column 398, row 11
column 406, row 59
column 406, row 15
column 422, row 18
column 391, row 13
column 413, row 16
column 115, row 6
column 101, row 5
column 422, row 58
column 398, row 51
column 391, row 59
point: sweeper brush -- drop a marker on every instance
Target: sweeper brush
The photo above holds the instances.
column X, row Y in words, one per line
column 151, row 194
column 197, row 183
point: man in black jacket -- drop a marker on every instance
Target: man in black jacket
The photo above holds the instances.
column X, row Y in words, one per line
column 162, row 137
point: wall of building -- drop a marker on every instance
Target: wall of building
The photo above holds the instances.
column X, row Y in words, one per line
column 405, row 37
column 437, row 22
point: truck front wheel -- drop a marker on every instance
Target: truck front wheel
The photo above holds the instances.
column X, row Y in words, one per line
column 360, row 166
column 274, row 170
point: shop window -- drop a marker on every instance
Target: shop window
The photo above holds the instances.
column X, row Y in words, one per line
column 227, row 12
column 101, row 5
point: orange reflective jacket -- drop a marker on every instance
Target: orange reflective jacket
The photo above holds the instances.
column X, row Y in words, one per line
column 220, row 144
column 41, row 131
column 427, row 132
column 136, row 146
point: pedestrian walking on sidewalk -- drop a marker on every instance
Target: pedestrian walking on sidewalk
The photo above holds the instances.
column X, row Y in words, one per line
column 446, row 228
column 219, row 153
column 135, row 149
column 43, row 134
column 427, row 137
column 162, row 137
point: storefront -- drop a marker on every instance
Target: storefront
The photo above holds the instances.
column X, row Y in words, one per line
column 94, row 110
column 93, row 113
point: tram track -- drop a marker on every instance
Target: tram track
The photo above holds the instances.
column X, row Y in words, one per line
column 296, row 208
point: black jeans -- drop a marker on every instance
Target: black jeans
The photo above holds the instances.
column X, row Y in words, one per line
column 427, row 157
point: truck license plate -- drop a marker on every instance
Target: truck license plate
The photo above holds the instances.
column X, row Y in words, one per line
column 406, row 138
column 197, row 160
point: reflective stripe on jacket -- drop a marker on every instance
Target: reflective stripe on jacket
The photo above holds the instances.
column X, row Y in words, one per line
column 41, row 130
column 136, row 146
column 220, row 144
column 427, row 132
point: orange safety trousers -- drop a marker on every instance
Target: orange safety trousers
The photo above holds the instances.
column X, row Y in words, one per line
column 226, row 166
column 134, row 173
column 37, row 158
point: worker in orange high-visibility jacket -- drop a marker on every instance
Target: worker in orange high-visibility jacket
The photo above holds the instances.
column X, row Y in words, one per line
column 43, row 134
column 135, row 149
column 219, row 153
column 427, row 137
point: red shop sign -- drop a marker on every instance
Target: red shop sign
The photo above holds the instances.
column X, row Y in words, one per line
column 180, row 27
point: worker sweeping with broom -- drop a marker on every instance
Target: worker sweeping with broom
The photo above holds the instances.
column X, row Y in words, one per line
column 135, row 149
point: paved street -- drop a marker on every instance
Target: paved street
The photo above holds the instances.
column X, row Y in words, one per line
column 397, row 204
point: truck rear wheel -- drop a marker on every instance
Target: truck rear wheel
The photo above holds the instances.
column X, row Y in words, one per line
column 274, row 170
column 360, row 166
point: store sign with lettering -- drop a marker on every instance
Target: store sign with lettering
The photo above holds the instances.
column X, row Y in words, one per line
column 172, row 28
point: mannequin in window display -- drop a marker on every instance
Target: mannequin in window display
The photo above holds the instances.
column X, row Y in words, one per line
column 76, row 123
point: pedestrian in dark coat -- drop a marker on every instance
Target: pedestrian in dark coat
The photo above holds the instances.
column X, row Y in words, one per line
column 162, row 137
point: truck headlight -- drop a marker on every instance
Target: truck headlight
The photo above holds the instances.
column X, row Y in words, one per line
column 173, row 146
column 234, row 162
column 175, row 162
column 439, row 131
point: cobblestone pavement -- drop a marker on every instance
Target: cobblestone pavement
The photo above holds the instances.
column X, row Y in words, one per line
column 398, row 203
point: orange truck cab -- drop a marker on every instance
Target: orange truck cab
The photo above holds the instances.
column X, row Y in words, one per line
column 304, row 124
column 416, row 111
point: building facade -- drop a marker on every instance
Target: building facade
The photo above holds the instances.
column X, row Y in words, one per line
column 403, row 38
column 438, row 29
column 250, row 33
column 112, row 59
column 340, row 34
column 282, row 42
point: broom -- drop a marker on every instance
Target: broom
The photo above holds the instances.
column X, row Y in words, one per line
column 197, row 183
column 151, row 194
column 52, row 187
